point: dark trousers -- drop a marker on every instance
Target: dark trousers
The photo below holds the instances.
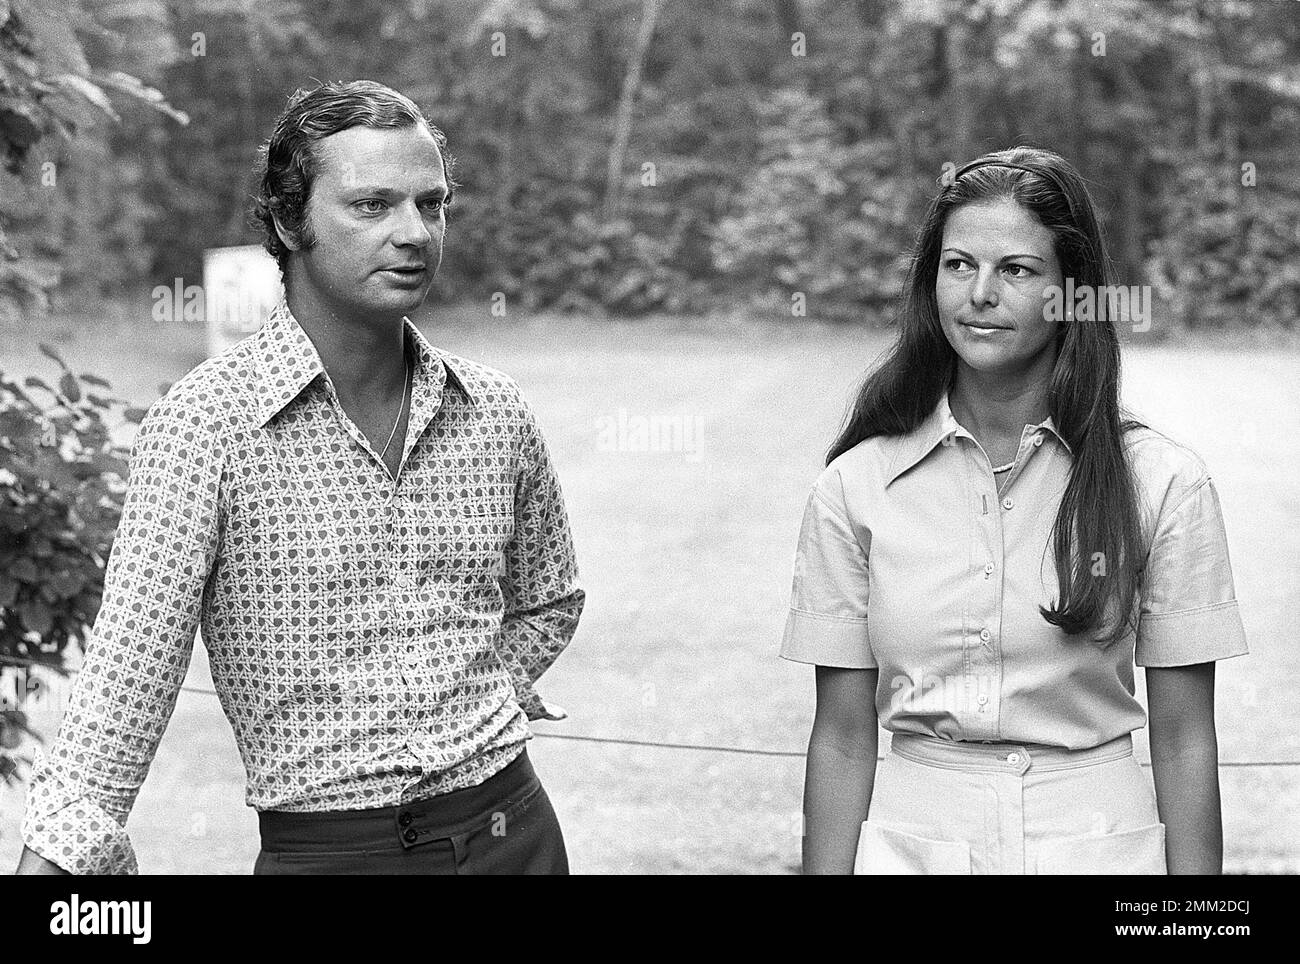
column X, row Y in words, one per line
column 505, row 825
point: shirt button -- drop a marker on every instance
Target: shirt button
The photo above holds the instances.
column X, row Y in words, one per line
column 1007, row 503
column 410, row 836
column 1013, row 758
column 1038, row 440
column 982, row 699
column 985, row 635
column 988, row 569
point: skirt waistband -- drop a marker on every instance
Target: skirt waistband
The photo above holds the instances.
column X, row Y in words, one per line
column 407, row 824
column 1005, row 757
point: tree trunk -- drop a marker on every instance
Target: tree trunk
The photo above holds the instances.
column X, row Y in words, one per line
column 626, row 104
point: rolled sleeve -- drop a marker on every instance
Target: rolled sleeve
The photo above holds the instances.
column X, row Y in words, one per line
column 84, row 786
column 827, row 623
column 542, row 596
column 1189, row 610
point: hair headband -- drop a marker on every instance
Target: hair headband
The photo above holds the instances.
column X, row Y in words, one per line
column 1040, row 171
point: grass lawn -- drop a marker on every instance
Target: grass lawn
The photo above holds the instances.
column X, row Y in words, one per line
column 686, row 557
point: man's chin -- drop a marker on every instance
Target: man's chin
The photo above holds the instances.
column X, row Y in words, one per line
column 392, row 300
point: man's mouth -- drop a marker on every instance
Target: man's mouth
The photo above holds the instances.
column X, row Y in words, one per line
column 406, row 273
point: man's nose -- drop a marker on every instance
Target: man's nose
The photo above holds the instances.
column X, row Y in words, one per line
column 984, row 289
column 410, row 229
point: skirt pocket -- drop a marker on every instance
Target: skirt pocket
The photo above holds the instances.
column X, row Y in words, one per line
column 885, row 850
column 1137, row 851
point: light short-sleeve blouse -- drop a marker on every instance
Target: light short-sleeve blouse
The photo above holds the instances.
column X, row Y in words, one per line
column 910, row 561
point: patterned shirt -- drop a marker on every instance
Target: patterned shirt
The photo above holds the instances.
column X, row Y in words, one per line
column 910, row 561
column 373, row 642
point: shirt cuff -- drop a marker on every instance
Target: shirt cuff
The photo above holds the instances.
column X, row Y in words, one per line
column 63, row 825
column 1195, row 636
column 827, row 641
column 534, row 707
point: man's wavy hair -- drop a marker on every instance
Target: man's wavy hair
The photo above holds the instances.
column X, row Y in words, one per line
column 287, row 162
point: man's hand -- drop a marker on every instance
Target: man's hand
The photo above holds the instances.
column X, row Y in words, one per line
column 33, row 863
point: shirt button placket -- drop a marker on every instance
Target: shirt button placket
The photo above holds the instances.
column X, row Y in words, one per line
column 984, row 661
column 400, row 583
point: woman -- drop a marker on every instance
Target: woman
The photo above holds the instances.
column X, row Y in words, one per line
column 985, row 517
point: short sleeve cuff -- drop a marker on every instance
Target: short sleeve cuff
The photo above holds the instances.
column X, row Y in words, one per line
column 1186, row 638
column 72, row 831
column 827, row 641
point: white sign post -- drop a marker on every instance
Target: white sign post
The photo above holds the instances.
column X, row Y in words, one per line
column 241, row 288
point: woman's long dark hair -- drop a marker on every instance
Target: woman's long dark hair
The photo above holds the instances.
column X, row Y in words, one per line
column 1099, row 511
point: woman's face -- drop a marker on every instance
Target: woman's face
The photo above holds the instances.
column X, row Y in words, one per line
column 995, row 261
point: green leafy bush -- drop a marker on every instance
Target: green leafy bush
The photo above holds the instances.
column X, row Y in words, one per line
column 62, row 482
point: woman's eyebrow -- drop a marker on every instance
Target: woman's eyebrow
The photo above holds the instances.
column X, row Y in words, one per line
column 1005, row 257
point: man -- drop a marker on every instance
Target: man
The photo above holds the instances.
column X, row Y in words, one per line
column 369, row 532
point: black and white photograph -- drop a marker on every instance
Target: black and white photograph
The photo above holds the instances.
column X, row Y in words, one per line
column 650, row 437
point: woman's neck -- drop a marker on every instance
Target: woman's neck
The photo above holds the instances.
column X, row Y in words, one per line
column 997, row 408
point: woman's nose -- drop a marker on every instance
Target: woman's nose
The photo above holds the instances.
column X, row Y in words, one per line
column 984, row 289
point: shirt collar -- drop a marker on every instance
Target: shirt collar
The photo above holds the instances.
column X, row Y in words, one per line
column 287, row 361
column 938, row 428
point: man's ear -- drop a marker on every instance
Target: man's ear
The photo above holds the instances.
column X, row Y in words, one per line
column 288, row 238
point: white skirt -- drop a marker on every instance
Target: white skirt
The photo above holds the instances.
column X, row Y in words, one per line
column 941, row 807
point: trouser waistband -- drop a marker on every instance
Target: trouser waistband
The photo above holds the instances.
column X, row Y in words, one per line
column 409, row 824
column 1005, row 757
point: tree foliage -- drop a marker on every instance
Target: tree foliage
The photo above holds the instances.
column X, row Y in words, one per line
column 62, row 474
column 759, row 147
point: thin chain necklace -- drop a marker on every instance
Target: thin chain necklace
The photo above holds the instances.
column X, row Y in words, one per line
column 406, row 378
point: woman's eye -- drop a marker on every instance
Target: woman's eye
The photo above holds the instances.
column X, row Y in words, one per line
column 434, row 204
column 1024, row 271
column 953, row 264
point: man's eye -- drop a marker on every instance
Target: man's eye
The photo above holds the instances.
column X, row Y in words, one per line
column 371, row 205
column 434, row 204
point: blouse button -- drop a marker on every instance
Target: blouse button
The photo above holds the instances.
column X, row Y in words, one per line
column 985, row 635
column 982, row 699
column 988, row 569
column 1013, row 758
column 1038, row 440
column 1007, row 503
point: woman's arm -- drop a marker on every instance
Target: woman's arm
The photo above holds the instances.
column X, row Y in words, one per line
column 1185, row 765
column 841, row 768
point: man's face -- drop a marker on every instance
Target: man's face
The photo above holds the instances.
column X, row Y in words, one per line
column 375, row 214
column 996, row 260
